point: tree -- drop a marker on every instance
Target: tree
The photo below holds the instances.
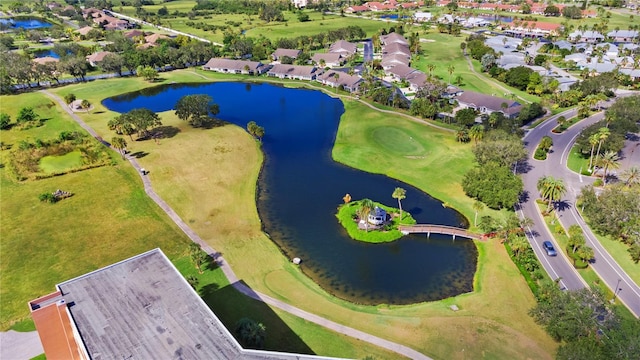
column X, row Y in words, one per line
column 610, row 160
column 631, row 176
column 250, row 333
column 462, row 135
column 576, row 238
column 85, row 104
column 198, row 257
column 501, row 148
column 197, row 110
column 5, row 121
column 26, row 115
column 494, row 185
column 465, row 117
column 585, row 253
column 572, row 12
column 255, row 130
column 450, row 69
column 119, row 144
column 75, row 66
column 634, row 251
column 551, row 189
column 147, row 72
column 477, row 206
column 366, row 207
column 400, row 194
column 336, row 77
column 476, row 132
column 518, row 244
column 594, row 139
column 112, row 63
column 69, row 98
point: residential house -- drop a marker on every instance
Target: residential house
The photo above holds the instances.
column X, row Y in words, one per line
column 84, row 30
column 343, row 47
column 420, row 16
column 396, row 49
column 133, row 34
column 348, row 82
column 280, row 53
column 487, row 104
column 535, row 29
column 45, row 59
column 296, row 72
column 389, row 61
column 328, row 59
column 400, row 72
column 588, row 36
column 417, row 80
column 299, row 3
column 393, row 38
column 95, row 58
column 153, row 38
column 634, row 74
column 235, row 66
column 623, row 35
column 356, row 9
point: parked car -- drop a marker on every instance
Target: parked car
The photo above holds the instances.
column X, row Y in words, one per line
column 548, row 247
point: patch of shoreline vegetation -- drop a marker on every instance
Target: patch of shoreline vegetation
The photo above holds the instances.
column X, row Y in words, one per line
column 348, row 217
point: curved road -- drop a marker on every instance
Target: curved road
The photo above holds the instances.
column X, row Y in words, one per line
column 226, row 268
column 560, row 267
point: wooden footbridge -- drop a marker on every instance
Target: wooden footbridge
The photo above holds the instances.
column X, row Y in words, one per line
column 437, row 229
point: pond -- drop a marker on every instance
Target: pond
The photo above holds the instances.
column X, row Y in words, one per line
column 46, row 53
column 25, row 23
column 301, row 186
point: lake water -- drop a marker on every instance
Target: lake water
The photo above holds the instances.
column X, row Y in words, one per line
column 26, row 23
column 301, row 186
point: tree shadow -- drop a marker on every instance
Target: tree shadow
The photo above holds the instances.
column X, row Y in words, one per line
column 523, row 167
column 523, row 198
column 562, row 205
column 98, row 112
column 139, row 154
column 230, row 305
column 164, row 132
column 213, row 123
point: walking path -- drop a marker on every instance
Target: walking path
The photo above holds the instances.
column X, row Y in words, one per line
column 226, row 268
column 16, row 345
column 438, row 229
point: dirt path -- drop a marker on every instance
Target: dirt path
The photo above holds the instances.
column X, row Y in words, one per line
column 226, row 268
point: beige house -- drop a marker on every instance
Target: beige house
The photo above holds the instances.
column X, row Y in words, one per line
column 296, row 72
column 231, row 66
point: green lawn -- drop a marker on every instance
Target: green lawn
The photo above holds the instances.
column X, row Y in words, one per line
column 443, row 50
column 576, row 162
column 52, row 164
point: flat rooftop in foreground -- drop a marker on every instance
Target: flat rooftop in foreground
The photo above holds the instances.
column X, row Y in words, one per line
column 143, row 308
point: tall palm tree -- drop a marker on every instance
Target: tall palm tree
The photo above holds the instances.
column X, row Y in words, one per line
column 594, row 139
column 631, row 176
column 477, row 206
column 366, row 207
column 476, row 132
column 551, row 189
column 603, row 135
column 450, row 69
column 431, row 67
column 609, row 160
column 119, row 144
column 400, row 194
column 462, row 135
column 336, row 76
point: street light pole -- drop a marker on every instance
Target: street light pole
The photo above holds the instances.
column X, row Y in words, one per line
column 617, row 290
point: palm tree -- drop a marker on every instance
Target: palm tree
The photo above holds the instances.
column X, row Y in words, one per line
column 250, row 333
column 476, row 132
column 462, row 135
column 631, row 176
column 336, row 76
column 366, row 207
column 477, row 206
column 518, row 244
column 119, row 144
column 585, row 253
column 603, row 134
column 198, row 256
column 610, row 160
column 400, row 194
column 85, row 104
column 431, row 67
column 594, row 139
column 551, row 189
column 451, row 69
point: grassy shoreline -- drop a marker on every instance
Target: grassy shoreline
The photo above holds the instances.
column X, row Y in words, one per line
column 491, row 316
column 348, row 212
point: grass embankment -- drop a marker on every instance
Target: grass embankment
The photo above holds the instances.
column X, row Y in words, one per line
column 443, row 50
column 219, row 204
column 348, row 214
column 578, row 163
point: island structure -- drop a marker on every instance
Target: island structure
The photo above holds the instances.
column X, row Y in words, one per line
column 370, row 221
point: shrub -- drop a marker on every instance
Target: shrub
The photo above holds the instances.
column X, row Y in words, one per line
column 69, row 98
column 5, row 120
column 540, row 154
column 48, row 197
column 598, row 182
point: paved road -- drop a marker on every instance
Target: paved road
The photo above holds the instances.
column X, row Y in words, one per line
column 226, row 268
column 608, row 270
column 19, row 345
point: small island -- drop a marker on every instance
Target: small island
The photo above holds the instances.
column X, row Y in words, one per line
column 370, row 221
